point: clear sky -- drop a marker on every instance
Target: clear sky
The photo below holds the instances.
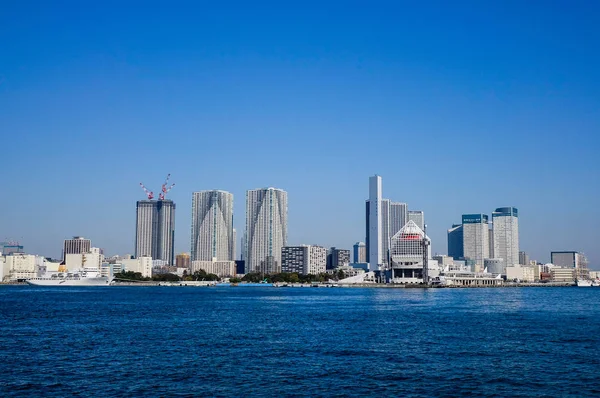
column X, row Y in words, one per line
column 461, row 107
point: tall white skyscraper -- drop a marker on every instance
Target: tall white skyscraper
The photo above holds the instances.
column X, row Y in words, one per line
column 375, row 224
column 155, row 230
column 418, row 217
column 506, row 235
column 212, row 232
column 266, row 229
column 476, row 237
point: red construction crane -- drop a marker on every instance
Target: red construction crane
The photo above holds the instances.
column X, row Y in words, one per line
column 148, row 193
column 164, row 188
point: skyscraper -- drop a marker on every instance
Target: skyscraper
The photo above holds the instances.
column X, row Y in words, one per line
column 506, row 235
column 360, row 252
column 266, row 229
column 393, row 218
column 77, row 245
column 212, row 226
column 375, row 235
column 476, row 237
column 398, row 217
column 418, row 217
column 155, row 230
column 455, row 242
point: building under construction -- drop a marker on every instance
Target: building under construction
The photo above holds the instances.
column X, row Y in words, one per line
column 155, row 225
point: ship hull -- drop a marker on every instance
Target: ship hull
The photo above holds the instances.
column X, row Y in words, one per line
column 69, row 282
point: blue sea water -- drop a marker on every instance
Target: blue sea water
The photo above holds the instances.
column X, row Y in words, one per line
column 264, row 341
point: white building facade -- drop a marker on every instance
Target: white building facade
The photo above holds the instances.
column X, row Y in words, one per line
column 266, row 229
column 476, row 237
column 506, row 235
column 212, row 226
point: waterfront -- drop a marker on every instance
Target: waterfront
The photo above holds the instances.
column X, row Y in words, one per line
column 265, row 341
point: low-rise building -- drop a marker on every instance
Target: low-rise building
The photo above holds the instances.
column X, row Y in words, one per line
column 521, row 274
column 19, row 266
column 143, row 265
column 560, row 274
column 219, row 268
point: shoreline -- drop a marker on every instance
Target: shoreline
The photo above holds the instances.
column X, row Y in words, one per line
column 324, row 285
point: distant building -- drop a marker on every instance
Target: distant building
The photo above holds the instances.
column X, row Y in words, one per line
column 455, row 242
column 266, row 229
column 560, row 274
column 18, row 267
column 240, row 267
column 360, row 252
column 305, row 259
column 495, row 265
column 506, row 235
column 212, row 226
column 8, row 248
column 476, row 237
column 523, row 258
column 183, row 260
column 573, row 260
column 374, row 224
column 219, row 268
column 77, row 245
column 155, row 230
column 407, row 254
column 418, row 217
column 337, row 258
column 143, row 265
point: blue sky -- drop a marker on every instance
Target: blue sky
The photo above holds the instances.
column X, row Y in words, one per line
column 461, row 106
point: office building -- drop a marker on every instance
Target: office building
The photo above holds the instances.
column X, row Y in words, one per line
column 337, row 258
column 491, row 244
column 77, row 245
column 375, row 230
column 418, row 217
column 304, row 259
column 476, row 237
column 398, row 217
column 455, row 242
column 183, row 260
column 506, row 235
column 360, row 252
column 266, row 229
column 573, row 260
column 220, row 268
column 155, row 230
column 523, row 258
column 212, row 226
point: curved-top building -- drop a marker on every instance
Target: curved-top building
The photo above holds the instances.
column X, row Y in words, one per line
column 212, row 226
column 266, row 229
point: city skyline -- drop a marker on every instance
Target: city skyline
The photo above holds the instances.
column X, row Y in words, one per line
column 95, row 100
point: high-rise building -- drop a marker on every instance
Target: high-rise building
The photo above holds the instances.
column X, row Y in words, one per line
column 418, row 217
column 360, row 252
column 398, row 217
column 476, row 237
column 305, row 259
column 393, row 218
column 375, row 233
column 182, row 260
column 506, row 235
column 155, row 230
column 212, row 226
column 455, row 242
column 266, row 229
column 77, row 245
column 523, row 258
column 491, row 244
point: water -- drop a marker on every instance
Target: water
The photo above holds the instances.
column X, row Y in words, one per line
column 167, row 341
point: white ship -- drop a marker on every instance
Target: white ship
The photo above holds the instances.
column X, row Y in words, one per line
column 584, row 282
column 83, row 277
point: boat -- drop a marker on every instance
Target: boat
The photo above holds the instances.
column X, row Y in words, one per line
column 584, row 282
column 83, row 277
